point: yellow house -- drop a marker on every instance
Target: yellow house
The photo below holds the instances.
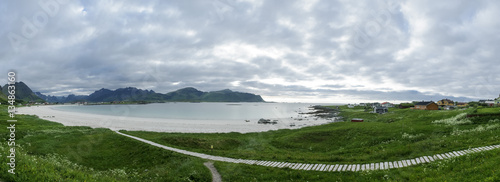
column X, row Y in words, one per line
column 446, row 102
column 462, row 104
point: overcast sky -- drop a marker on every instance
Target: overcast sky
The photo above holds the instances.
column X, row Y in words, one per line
column 293, row 51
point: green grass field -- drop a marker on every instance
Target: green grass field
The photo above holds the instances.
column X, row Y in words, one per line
column 51, row 152
column 488, row 110
column 400, row 134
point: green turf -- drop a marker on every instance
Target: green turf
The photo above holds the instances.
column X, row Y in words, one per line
column 49, row 151
column 475, row 167
column 52, row 152
column 400, row 134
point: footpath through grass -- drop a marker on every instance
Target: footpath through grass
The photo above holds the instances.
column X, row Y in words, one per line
column 474, row 167
column 399, row 134
column 49, row 151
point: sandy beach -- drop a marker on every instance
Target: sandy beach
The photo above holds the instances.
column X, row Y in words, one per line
column 160, row 125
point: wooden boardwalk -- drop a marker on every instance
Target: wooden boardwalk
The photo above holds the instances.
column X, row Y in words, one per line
column 326, row 167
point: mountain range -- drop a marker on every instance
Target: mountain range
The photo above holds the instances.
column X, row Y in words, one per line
column 132, row 94
column 23, row 93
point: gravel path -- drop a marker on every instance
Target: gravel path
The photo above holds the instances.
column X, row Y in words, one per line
column 327, row 167
column 215, row 175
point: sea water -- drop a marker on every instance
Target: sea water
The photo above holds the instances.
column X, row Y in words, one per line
column 198, row 111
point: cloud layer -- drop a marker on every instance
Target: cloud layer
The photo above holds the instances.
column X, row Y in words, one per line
column 309, row 51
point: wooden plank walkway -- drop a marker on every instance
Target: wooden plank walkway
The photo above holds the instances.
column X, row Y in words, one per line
column 325, row 167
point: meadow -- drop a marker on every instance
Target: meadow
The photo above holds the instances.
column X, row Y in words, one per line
column 399, row 134
column 49, row 151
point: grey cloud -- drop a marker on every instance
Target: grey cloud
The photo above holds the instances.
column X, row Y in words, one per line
column 446, row 50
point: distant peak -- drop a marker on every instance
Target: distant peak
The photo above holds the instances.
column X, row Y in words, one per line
column 127, row 88
column 103, row 89
column 225, row 90
column 189, row 88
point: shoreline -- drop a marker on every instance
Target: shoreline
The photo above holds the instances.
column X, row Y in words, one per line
column 116, row 123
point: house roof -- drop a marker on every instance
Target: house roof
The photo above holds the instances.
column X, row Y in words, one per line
column 446, row 100
column 423, row 103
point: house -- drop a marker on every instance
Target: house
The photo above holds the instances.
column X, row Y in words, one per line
column 490, row 103
column 387, row 104
column 405, row 105
column 356, row 120
column 449, row 107
column 426, row 106
column 497, row 100
column 380, row 109
column 446, row 102
column 487, row 102
column 462, row 104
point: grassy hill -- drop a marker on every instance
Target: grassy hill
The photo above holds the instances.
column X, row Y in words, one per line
column 23, row 92
column 400, row 134
column 397, row 135
column 49, row 151
column 3, row 97
column 52, row 152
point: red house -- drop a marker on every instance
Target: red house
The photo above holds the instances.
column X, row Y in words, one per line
column 356, row 120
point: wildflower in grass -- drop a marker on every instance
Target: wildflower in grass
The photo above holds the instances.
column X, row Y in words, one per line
column 494, row 121
column 456, row 120
column 477, row 129
column 409, row 136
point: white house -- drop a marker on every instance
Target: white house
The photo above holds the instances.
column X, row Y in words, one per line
column 387, row 104
column 380, row 109
column 490, row 102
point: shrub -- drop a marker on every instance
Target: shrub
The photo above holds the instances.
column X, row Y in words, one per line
column 456, row 120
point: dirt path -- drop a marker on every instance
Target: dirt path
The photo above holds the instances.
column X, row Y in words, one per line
column 215, row 175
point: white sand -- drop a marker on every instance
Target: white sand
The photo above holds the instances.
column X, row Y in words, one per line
column 159, row 125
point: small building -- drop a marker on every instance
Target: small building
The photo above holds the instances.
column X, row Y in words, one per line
column 449, row 107
column 387, row 104
column 356, row 120
column 426, row 106
column 405, row 105
column 446, row 102
column 380, row 109
column 490, row 103
column 462, row 104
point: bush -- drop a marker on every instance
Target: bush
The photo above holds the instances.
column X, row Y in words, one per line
column 456, row 120
column 483, row 119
